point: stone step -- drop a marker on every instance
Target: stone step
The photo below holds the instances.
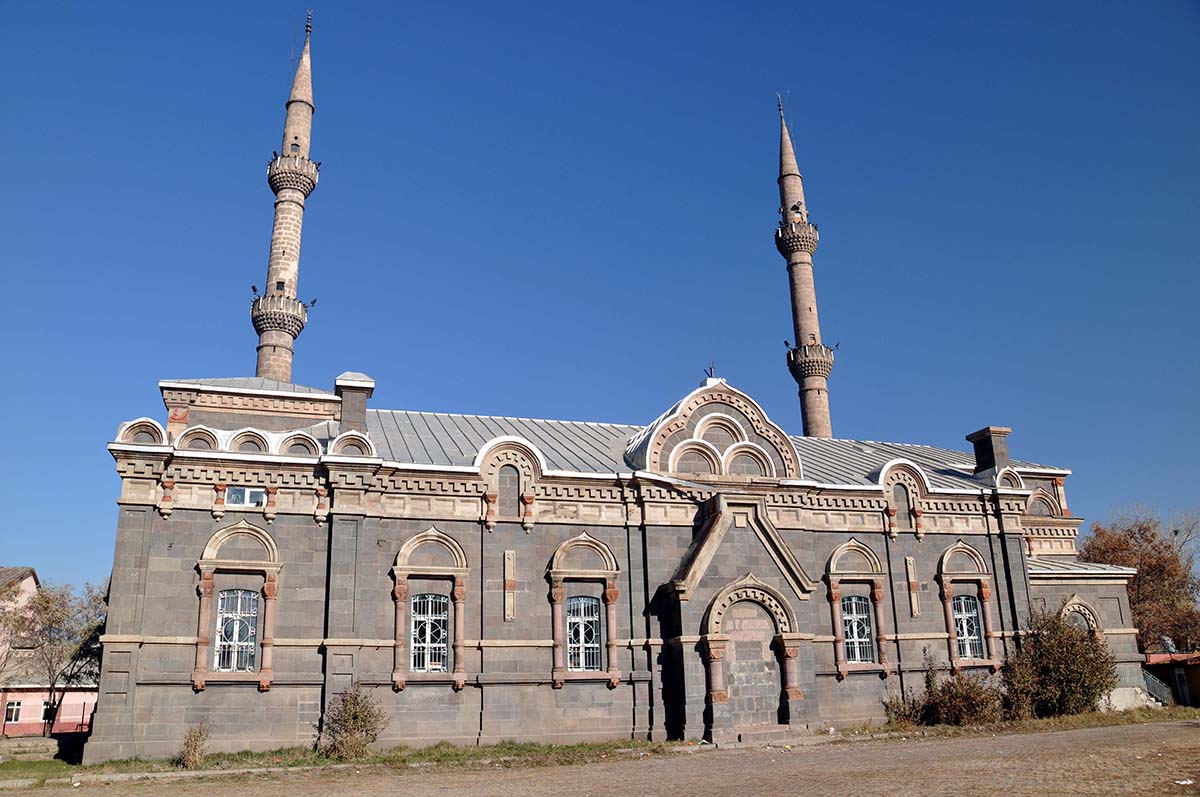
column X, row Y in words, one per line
column 762, row 734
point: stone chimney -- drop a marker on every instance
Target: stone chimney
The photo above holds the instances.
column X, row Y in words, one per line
column 991, row 447
column 354, row 389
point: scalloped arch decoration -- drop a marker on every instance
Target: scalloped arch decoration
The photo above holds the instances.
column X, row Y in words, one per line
column 193, row 433
column 212, row 548
column 906, row 472
column 749, row 588
column 584, row 540
column 243, row 436
column 1078, row 605
column 142, row 427
column 957, row 553
column 510, row 450
column 431, row 536
column 719, row 393
column 858, row 552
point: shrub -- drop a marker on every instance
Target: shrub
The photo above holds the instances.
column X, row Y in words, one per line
column 194, row 747
column 962, row 699
column 354, row 722
column 1060, row 669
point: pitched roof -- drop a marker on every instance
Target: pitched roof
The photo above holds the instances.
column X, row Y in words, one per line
column 448, row 439
column 13, row 575
column 250, row 383
column 1071, row 568
column 438, row 438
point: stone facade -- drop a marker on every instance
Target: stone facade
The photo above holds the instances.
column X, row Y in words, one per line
column 704, row 575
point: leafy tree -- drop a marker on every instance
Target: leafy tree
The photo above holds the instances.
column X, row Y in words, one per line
column 57, row 633
column 1060, row 669
column 1163, row 594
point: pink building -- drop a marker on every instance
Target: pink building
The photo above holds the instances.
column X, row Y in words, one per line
column 25, row 700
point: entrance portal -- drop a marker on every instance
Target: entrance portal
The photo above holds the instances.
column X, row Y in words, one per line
column 753, row 679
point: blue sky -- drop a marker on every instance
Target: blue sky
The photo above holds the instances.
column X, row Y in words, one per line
column 566, row 212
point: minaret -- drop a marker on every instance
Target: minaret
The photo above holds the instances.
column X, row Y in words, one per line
column 278, row 315
column 796, row 239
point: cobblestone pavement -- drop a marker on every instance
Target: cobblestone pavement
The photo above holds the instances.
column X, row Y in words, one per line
column 1130, row 759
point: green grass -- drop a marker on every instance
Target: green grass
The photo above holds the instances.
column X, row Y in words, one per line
column 506, row 754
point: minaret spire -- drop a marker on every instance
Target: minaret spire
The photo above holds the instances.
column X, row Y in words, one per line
column 278, row 316
column 810, row 361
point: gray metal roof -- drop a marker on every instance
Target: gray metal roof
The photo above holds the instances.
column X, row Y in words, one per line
column 832, row 461
column 251, row 383
column 1068, row 567
column 437, row 438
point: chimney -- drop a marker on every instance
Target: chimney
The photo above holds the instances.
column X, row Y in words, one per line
column 354, row 389
column 991, row 447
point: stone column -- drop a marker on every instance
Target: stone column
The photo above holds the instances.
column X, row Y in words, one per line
column 460, row 599
column 985, row 609
column 400, row 597
column 880, row 637
column 714, row 646
column 610, row 632
column 839, row 633
column 948, row 611
column 789, row 648
column 557, row 596
column 266, row 672
column 204, row 620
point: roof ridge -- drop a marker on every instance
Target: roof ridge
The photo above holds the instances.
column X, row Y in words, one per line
column 509, row 417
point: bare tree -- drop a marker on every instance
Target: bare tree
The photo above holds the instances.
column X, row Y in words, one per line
column 57, row 632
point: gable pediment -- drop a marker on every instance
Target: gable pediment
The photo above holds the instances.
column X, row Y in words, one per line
column 724, row 515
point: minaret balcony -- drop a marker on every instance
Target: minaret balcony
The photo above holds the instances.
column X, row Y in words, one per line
column 796, row 236
column 292, row 171
column 279, row 314
column 812, row 359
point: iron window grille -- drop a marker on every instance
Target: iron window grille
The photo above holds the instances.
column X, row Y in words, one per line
column 857, row 630
column 245, row 496
column 967, row 627
column 583, row 633
column 237, row 630
column 430, row 627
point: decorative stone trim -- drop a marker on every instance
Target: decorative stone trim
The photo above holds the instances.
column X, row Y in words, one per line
column 793, row 237
column 976, row 572
column 402, row 570
column 210, row 563
column 557, row 574
column 873, row 575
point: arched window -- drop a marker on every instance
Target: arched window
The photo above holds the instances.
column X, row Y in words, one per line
column 299, row 448
column 692, row 461
column 509, row 491
column 1040, row 508
column 237, row 630
column 142, row 436
column 903, row 504
column 967, row 627
column 430, row 632
column 352, row 450
column 250, row 445
column 583, row 633
column 857, row 629
column 199, row 443
column 720, row 436
column 745, row 465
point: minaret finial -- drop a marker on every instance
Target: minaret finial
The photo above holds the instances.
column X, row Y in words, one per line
column 308, row 25
column 779, row 97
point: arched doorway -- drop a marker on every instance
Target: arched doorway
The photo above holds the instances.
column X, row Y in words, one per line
column 750, row 646
column 753, row 676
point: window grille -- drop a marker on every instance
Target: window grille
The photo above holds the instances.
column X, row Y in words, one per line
column 509, row 489
column 245, row 496
column 583, row 633
column 967, row 627
column 237, row 630
column 12, row 711
column 430, row 625
column 856, row 628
